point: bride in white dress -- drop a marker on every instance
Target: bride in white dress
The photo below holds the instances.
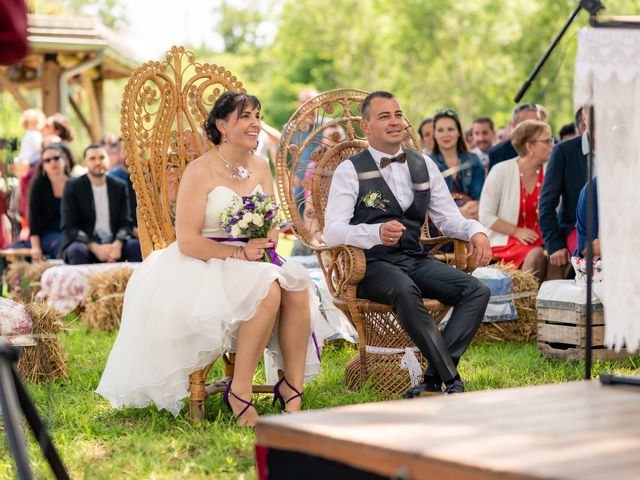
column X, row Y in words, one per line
column 187, row 304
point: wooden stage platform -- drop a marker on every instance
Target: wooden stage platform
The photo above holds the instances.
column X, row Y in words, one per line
column 577, row 430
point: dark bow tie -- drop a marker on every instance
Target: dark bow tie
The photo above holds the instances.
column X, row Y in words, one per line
column 400, row 158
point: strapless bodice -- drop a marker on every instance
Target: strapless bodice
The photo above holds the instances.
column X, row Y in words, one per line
column 219, row 199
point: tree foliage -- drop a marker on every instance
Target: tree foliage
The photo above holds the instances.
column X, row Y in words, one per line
column 471, row 56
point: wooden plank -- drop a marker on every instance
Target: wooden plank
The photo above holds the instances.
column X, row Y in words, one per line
column 13, row 89
column 94, row 109
column 578, row 353
column 557, row 315
column 572, row 335
column 79, row 114
column 532, row 432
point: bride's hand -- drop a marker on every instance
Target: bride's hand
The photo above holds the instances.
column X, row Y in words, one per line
column 254, row 250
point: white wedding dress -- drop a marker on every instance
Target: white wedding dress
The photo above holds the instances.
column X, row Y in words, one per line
column 181, row 313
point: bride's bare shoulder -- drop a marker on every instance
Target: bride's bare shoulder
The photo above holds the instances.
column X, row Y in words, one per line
column 200, row 165
column 200, row 171
column 259, row 164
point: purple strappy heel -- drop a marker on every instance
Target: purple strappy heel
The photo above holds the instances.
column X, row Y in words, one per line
column 278, row 396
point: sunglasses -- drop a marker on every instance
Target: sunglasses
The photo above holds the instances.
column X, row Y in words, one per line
column 51, row 159
column 447, row 112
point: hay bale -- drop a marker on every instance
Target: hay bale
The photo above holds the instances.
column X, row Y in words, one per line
column 47, row 358
column 105, row 296
column 525, row 328
column 23, row 279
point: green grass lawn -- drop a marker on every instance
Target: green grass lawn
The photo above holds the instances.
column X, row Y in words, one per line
column 96, row 441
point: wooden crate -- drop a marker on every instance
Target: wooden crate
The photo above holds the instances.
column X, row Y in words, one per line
column 562, row 334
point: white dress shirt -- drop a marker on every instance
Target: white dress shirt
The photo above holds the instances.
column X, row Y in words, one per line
column 343, row 195
column 483, row 156
column 102, row 227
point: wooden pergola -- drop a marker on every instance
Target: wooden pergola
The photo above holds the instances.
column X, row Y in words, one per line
column 65, row 51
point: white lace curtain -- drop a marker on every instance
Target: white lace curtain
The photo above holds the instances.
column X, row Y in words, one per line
column 608, row 77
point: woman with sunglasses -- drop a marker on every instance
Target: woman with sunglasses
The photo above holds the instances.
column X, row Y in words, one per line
column 510, row 197
column 463, row 170
column 45, row 197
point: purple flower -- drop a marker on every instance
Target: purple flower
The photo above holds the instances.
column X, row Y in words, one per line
column 250, row 206
column 269, row 216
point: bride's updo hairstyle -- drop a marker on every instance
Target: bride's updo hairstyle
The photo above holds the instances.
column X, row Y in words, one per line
column 226, row 104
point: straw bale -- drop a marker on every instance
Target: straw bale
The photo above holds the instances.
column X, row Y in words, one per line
column 105, row 296
column 47, row 358
column 23, row 279
column 525, row 328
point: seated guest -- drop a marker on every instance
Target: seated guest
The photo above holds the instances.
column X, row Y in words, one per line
column 509, row 202
column 565, row 177
column 483, row 136
column 116, row 151
column 567, row 131
column 426, row 135
column 581, row 222
column 504, row 150
column 464, row 170
column 46, row 189
column 96, row 221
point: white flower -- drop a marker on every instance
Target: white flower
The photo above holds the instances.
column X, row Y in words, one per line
column 243, row 224
column 235, row 231
column 247, row 217
column 258, row 221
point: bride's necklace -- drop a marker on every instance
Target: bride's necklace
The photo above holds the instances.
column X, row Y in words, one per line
column 237, row 172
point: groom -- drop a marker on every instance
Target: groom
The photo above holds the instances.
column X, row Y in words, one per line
column 378, row 201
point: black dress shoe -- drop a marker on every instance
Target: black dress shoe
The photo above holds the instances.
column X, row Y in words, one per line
column 424, row 390
column 457, row 386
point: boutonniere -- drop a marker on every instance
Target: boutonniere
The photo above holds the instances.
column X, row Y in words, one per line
column 375, row 200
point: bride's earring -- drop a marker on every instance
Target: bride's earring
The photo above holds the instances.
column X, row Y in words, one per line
column 224, row 138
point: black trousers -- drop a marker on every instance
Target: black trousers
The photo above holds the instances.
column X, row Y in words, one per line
column 404, row 280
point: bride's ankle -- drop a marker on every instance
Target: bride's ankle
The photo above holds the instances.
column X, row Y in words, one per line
column 292, row 394
column 240, row 403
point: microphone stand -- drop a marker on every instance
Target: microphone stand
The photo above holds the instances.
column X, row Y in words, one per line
column 593, row 7
column 13, row 398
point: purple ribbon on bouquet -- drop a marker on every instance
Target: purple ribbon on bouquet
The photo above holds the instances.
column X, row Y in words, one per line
column 271, row 256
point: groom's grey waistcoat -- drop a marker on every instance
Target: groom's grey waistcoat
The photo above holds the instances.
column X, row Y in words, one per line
column 370, row 180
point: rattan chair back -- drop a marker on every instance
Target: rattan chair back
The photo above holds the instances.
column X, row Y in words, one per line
column 321, row 134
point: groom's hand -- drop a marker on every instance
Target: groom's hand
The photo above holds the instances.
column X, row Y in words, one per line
column 390, row 232
column 480, row 249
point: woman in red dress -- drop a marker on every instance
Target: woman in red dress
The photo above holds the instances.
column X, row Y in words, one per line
column 509, row 200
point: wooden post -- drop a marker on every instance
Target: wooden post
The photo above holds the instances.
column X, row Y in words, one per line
column 98, row 85
column 12, row 88
column 81, row 117
column 50, row 85
column 94, row 109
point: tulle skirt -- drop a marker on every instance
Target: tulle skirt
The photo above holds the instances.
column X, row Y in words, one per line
column 181, row 313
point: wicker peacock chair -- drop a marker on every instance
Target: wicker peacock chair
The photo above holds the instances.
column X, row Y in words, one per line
column 329, row 124
column 164, row 107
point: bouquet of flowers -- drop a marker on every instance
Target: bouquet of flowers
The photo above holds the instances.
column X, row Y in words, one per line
column 252, row 216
